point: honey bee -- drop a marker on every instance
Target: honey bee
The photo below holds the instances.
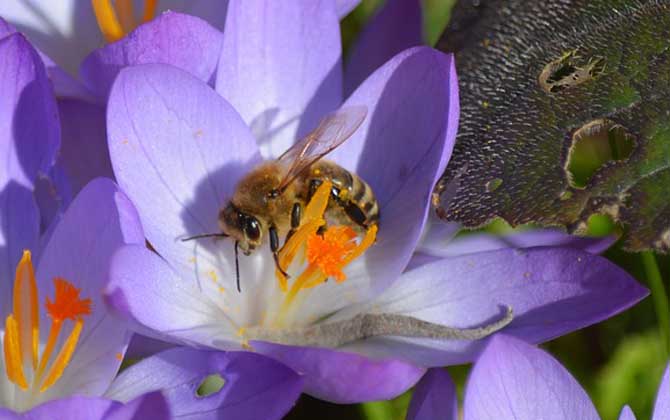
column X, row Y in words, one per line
column 272, row 196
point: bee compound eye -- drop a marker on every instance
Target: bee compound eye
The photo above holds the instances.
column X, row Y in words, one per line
column 252, row 229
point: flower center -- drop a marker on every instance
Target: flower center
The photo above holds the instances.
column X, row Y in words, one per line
column 117, row 18
column 24, row 366
column 327, row 250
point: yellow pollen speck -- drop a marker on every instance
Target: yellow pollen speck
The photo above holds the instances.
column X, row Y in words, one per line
column 118, row 356
column 124, row 141
column 485, row 104
column 212, row 275
column 222, row 289
column 241, row 331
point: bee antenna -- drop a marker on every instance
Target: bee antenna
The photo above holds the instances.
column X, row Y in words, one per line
column 237, row 267
column 206, row 235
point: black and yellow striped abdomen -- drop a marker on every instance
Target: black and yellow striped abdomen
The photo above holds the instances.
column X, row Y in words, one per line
column 353, row 201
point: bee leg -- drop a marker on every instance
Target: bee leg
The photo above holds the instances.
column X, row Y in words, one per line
column 274, row 247
column 296, row 216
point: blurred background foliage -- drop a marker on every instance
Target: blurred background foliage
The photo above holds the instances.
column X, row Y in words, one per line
column 619, row 361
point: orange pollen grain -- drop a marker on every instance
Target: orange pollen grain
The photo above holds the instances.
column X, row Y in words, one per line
column 67, row 304
column 329, row 251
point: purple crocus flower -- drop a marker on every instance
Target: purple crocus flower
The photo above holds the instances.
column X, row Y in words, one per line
column 62, row 348
column 178, row 149
column 512, row 379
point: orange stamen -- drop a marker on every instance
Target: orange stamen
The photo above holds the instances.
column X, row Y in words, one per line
column 13, row 364
column 312, row 220
column 64, row 356
column 116, row 19
column 25, row 309
column 149, row 10
column 124, row 10
column 21, row 338
column 107, row 21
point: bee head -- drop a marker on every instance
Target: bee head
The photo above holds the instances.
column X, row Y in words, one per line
column 243, row 227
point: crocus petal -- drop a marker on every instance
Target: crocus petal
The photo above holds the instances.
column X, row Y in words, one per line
column 65, row 30
column 479, row 242
column 29, row 139
column 28, row 116
column 177, row 149
column 552, row 292
column 434, row 397
column 342, row 377
column 83, row 154
column 255, row 387
column 97, row 223
column 144, row 289
column 402, row 149
column 280, row 67
column 626, row 413
column 395, row 27
column 512, row 379
column 73, row 408
column 183, row 41
column 344, row 7
column 662, row 406
column 141, row 346
column 148, row 406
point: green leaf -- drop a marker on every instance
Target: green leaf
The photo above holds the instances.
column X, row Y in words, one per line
column 565, row 113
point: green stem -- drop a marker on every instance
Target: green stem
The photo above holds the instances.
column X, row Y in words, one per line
column 659, row 296
column 377, row 410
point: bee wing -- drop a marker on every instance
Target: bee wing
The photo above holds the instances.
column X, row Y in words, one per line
column 333, row 130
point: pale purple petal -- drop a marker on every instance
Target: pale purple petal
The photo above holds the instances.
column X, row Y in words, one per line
column 552, row 291
column 255, row 387
column 662, row 406
column 343, row 377
column 141, row 346
column 29, row 139
column 480, row 242
column 29, row 133
column 148, row 406
column 177, row 149
column 65, row 30
column 6, row 28
column 512, row 379
column 53, row 194
column 214, row 12
column 626, row 413
column 99, row 221
column 434, row 398
column 394, row 28
column 280, row 67
column 145, row 290
column 402, row 149
column 344, row 7
column 73, row 408
column 183, row 41
column 83, row 155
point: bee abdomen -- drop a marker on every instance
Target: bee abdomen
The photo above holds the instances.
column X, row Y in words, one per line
column 351, row 194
